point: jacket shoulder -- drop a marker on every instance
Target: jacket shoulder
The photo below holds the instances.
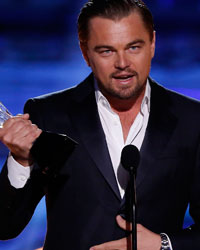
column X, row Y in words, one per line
column 63, row 97
column 177, row 102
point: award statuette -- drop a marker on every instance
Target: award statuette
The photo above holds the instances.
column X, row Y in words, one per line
column 4, row 114
column 49, row 150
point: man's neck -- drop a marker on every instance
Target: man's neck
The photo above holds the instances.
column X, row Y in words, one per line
column 127, row 110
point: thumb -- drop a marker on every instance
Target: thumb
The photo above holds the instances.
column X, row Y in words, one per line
column 123, row 223
column 23, row 116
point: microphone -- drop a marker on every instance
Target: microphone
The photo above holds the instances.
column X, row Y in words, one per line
column 130, row 159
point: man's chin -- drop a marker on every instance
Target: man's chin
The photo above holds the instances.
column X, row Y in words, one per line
column 127, row 93
column 123, row 95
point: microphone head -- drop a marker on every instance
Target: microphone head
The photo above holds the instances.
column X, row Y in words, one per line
column 130, row 158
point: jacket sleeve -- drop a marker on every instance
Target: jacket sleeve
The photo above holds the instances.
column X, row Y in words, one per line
column 189, row 238
column 17, row 205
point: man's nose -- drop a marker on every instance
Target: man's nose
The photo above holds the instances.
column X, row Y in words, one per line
column 122, row 61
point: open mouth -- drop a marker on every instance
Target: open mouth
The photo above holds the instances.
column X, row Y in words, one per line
column 123, row 78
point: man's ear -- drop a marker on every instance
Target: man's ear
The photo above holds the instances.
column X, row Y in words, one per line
column 84, row 50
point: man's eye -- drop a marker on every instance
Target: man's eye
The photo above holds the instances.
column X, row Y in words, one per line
column 132, row 48
column 106, row 52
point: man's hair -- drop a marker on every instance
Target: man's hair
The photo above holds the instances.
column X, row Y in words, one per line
column 114, row 10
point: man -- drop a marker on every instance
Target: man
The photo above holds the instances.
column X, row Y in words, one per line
column 118, row 104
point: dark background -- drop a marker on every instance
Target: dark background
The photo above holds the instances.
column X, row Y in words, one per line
column 39, row 53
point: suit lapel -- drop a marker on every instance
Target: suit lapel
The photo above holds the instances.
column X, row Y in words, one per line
column 84, row 115
column 160, row 127
column 85, row 118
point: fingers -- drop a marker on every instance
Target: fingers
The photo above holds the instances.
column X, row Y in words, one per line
column 140, row 228
column 145, row 239
column 10, row 121
column 112, row 245
column 18, row 134
column 127, row 225
column 123, row 223
column 23, row 116
column 117, row 244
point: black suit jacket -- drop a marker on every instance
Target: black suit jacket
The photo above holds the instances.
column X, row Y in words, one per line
column 83, row 198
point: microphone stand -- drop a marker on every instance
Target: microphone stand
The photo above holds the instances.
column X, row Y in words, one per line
column 130, row 159
column 132, row 207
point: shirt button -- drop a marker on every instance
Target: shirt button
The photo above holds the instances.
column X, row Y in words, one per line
column 104, row 103
column 22, row 178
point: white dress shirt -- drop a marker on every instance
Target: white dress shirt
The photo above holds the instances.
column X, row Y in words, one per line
column 17, row 174
column 114, row 135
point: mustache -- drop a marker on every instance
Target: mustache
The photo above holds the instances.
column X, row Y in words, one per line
column 126, row 71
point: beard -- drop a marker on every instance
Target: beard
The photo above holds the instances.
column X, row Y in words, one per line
column 124, row 92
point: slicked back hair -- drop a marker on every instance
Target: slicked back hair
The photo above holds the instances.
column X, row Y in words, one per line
column 114, row 10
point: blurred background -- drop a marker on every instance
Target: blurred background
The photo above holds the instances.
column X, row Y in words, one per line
column 39, row 53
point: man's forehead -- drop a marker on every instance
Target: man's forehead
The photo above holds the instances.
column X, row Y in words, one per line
column 115, row 19
column 105, row 27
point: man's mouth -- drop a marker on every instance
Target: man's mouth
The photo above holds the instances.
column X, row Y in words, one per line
column 123, row 77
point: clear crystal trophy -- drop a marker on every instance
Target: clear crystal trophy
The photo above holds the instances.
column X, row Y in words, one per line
column 50, row 150
column 4, row 114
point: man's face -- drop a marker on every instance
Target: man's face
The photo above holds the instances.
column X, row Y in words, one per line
column 119, row 54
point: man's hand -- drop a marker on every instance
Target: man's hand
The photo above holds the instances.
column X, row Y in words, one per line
column 146, row 240
column 18, row 134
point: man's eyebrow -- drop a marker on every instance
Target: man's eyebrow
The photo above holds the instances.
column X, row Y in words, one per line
column 98, row 47
column 137, row 41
